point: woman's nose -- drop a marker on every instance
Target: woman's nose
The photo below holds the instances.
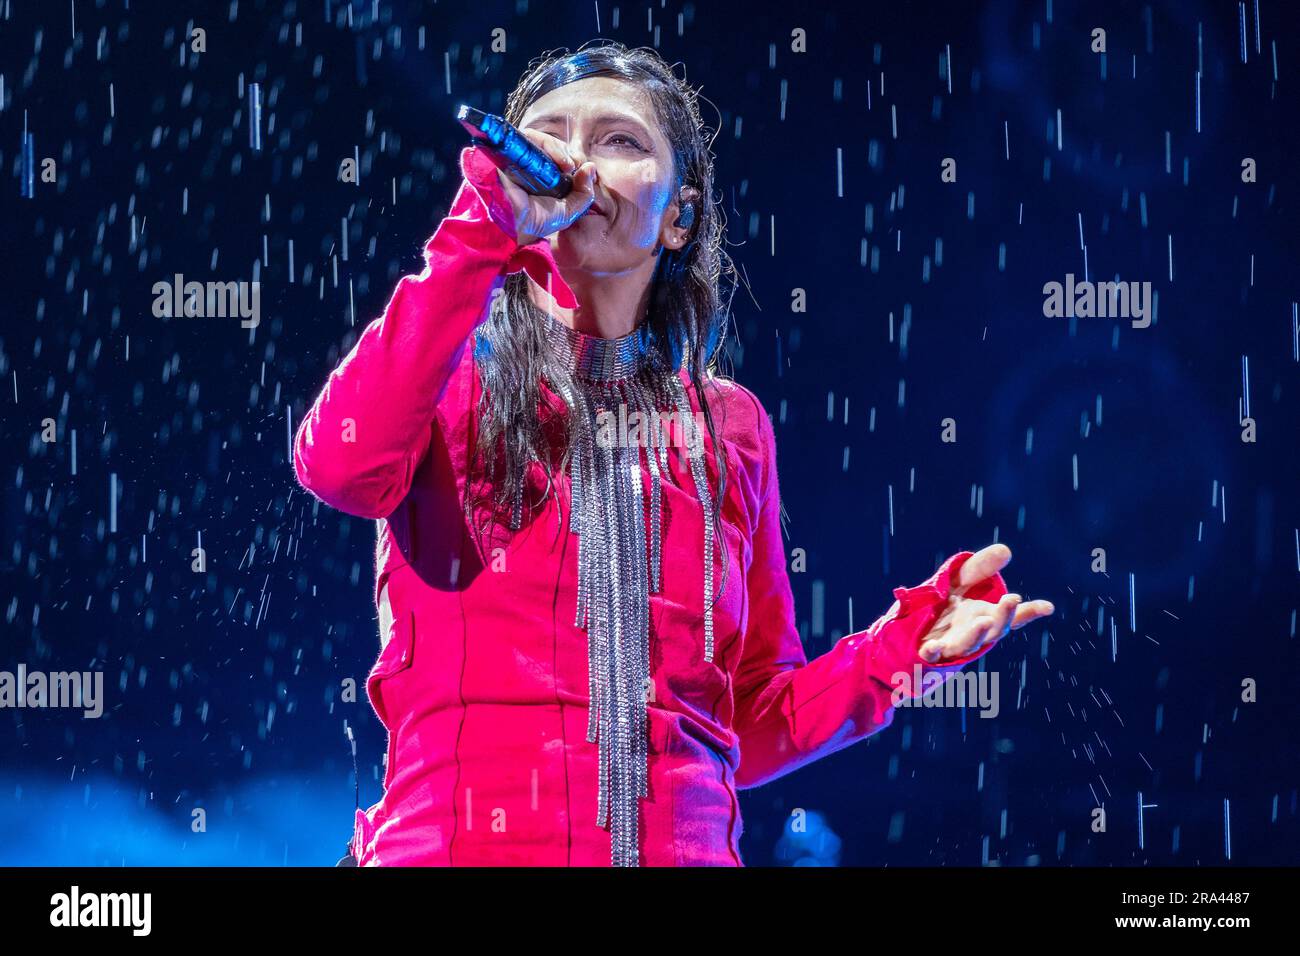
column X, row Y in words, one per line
column 576, row 152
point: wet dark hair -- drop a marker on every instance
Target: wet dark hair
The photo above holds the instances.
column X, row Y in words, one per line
column 686, row 312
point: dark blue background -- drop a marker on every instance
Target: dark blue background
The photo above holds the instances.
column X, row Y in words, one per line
column 223, row 688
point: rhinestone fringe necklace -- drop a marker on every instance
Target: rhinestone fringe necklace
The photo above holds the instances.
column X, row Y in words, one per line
column 620, row 555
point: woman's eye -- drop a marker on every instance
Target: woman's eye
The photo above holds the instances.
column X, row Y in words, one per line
column 624, row 138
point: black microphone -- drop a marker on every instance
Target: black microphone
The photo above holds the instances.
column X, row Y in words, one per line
column 514, row 154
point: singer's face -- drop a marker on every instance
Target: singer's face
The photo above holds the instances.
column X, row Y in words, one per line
column 612, row 124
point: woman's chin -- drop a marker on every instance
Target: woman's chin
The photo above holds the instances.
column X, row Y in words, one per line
column 588, row 249
column 586, row 229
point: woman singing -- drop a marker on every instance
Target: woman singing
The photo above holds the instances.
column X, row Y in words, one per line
column 588, row 635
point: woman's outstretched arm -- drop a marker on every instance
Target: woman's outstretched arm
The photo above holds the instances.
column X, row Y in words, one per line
column 789, row 711
column 370, row 426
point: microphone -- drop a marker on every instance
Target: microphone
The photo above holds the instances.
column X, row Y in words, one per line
column 514, row 154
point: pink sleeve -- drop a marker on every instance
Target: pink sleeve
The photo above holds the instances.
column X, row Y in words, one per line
column 370, row 426
column 789, row 711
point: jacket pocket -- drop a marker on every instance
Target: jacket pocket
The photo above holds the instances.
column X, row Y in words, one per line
column 395, row 659
column 396, row 656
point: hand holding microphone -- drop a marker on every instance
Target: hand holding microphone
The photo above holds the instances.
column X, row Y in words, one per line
column 547, row 191
column 538, row 216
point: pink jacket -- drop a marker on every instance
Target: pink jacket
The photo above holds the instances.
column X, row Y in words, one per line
column 482, row 679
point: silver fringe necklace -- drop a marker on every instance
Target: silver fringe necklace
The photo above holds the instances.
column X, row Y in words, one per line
column 615, row 383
